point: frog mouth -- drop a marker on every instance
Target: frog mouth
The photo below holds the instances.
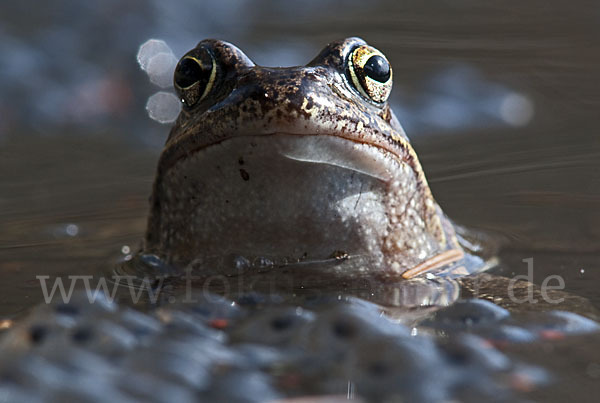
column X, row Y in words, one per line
column 335, row 151
column 376, row 161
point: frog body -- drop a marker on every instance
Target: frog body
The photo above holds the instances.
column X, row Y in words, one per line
column 295, row 164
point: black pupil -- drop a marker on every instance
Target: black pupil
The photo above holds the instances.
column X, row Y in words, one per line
column 187, row 73
column 377, row 68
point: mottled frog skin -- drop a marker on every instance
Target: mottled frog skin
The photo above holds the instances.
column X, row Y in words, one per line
column 295, row 164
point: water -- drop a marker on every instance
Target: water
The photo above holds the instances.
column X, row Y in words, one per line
column 500, row 103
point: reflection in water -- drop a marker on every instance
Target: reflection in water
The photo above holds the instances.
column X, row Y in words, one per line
column 298, row 279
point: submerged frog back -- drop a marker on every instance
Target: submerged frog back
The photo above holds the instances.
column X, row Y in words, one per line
column 296, row 164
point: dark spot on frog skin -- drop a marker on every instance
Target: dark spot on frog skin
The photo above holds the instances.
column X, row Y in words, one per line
column 241, row 160
column 245, row 175
column 309, row 103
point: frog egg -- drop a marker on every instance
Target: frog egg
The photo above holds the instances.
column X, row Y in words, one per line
column 163, row 107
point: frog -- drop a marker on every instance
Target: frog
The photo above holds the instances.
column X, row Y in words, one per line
column 296, row 164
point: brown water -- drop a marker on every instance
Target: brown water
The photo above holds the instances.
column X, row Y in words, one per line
column 71, row 197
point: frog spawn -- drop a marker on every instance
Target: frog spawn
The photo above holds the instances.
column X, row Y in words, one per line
column 262, row 348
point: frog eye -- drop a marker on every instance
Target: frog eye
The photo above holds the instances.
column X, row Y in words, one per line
column 194, row 76
column 370, row 73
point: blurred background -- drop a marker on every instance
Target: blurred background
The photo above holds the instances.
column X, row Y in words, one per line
column 459, row 65
column 501, row 100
